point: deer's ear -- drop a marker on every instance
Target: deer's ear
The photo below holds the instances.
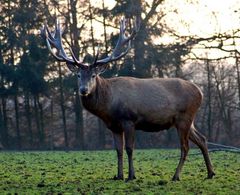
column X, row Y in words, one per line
column 72, row 67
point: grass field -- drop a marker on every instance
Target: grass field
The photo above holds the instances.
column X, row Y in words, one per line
column 91, row 172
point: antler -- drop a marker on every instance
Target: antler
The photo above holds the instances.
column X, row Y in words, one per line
column 122, row 41
column 55, row 40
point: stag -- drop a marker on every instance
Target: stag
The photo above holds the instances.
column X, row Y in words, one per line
column 126, row 104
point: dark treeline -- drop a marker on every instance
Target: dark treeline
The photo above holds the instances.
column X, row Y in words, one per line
column 40, row 107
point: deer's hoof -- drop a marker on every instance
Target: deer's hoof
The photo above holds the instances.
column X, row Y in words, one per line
column 175, row 178
column 130, row 178
column 118, row 177
column 210, row 175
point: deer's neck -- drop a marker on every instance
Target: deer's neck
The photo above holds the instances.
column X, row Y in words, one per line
column 96, row 102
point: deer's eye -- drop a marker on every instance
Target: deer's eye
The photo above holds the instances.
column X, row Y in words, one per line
column 78, row 76
column 93, row 76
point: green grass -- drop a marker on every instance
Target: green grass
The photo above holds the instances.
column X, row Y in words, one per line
column 91, row 173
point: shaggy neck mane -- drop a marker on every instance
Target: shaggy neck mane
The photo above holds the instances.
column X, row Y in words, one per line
column 96, row 101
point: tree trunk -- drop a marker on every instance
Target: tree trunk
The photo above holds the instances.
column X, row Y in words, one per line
column 225, row 115
column 1, row 125
column 104, row 27
column 217, row 135
column 79, row 125
column 5, row 136
column 19, row 142
column 29, row 118
column 36, row 115
column 238, row 78
column 203, row 119
column 62, row 106
column 4, row 130
column 209, row 101
column 41, row 119
column 75, row 31
column 51, row 128
column 142, row 69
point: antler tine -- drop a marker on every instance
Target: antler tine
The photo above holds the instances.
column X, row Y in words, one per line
column 122, row 26
column 122, row 41
column 122, row 37
column 73, row 56
column 96, row 57
column 50, row 49
column 136, row 28
column 45, row 33
column 58, row 41
column 51, row 37
column 77, row 62
column 54, row 40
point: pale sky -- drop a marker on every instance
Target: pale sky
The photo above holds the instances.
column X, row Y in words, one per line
column 205, row 19
column 208, row 17
column 202, row 18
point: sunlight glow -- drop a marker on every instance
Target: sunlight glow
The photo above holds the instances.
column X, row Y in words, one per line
column 205, row 18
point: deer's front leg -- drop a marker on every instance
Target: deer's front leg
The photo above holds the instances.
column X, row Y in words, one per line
column 129, row 133
column 118, row 141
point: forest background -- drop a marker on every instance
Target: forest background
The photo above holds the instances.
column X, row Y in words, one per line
column 40, row 107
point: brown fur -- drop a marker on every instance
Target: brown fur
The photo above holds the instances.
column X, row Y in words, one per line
column 126, row 104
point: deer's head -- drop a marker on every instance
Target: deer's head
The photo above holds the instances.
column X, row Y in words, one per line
column 87, row 73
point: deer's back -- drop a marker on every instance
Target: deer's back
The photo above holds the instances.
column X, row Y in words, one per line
column 153, row 102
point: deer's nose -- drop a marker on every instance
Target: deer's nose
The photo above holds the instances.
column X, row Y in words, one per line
column 83, row 90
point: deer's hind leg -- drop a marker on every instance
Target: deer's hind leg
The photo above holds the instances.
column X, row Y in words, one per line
column 197, row 138
column 183, row 129
column 129, row 134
